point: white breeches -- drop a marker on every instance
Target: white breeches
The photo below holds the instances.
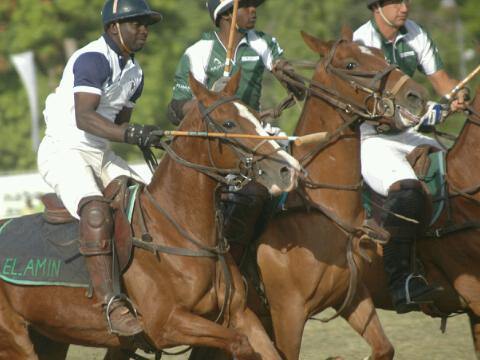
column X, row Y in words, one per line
column 383, row 158
column 75, row 173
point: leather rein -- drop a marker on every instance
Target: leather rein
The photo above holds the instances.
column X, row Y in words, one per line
column 353, row 114
column 246, row 172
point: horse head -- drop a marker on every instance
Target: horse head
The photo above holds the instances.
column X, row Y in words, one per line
column 248, row 158
column 358, row 80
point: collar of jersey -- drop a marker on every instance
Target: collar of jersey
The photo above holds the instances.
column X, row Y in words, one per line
column 212, row 35
column 112, row 45
column 402, row 32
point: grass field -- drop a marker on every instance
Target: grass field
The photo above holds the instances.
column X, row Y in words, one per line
column 414, row 336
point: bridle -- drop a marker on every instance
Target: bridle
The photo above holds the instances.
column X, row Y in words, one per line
column 383, row 100
column 248, row 169
column 353, row 113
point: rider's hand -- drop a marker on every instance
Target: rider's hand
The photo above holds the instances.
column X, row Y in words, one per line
column 435, row 114
column 220, row 84
column 284, row 67
column 143, row 135
column 461, row 100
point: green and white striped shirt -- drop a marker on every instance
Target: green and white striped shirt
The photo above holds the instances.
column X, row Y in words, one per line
column 412, row 49
column 256, row 52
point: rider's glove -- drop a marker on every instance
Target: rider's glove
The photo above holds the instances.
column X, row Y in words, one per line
column 220, row 84
column 143, row 135
column 435, row 114
column 276, row 131
column 282, row 66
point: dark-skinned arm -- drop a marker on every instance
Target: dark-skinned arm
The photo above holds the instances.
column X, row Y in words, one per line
column 90, row 121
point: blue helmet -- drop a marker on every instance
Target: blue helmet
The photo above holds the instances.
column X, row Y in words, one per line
column 118, row 10
column 219, row 7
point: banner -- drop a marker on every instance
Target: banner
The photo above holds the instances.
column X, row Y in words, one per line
column 25, row 66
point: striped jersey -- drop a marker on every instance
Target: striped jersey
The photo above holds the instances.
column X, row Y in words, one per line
column 98, row 68
column 256, row 52
column 412, row 49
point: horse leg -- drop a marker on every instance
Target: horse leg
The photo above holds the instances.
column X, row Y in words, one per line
column 116, row 354
column 46, row 348
column 288, row 319
column 14, row 338
column 184, row 328
column 475, row 328
column 363, row 318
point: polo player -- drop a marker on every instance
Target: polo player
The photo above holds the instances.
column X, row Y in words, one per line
column 91, row 107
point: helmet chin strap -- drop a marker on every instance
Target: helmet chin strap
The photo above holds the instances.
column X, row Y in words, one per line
column 124, row 46
column 388, row 22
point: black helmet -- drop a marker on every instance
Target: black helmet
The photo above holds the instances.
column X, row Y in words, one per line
column 218, row 7
column 370, row 3
column 116, row 10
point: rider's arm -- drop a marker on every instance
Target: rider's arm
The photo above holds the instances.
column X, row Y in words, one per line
column 90, row 121
column 443, row 84
column 182, row 97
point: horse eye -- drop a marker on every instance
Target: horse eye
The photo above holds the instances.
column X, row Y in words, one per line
column 229, row 124
column 351, row 66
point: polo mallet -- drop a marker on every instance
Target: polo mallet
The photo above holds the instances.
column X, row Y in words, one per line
column 233, row 28
column 448, row 97
column 298, row 140
column 220, row 83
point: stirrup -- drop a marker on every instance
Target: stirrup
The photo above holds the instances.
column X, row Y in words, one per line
column 408, row 299
column 129, row 304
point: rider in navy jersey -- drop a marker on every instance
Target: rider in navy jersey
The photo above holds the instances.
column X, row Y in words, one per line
column 91, row 107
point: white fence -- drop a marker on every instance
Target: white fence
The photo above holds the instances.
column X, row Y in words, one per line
column 20, row 194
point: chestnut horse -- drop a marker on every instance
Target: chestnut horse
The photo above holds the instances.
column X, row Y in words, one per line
column 450, row 259
column 177, row 295
column 311, row 257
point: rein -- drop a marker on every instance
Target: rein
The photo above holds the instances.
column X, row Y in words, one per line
column 219, row 251
column 354, row 113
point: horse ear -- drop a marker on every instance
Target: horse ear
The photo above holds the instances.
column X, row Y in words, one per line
column 315, row 44
column 346, row 33
column 232, row 85
column 198, row 90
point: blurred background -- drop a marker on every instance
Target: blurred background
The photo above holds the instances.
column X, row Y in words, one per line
column 39, row 36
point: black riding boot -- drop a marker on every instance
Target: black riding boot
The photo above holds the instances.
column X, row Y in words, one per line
column 241, row 210
column 405, row 198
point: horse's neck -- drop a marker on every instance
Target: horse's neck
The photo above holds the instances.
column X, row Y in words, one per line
column 463, row 158
column 187, row 196
column 337, row 164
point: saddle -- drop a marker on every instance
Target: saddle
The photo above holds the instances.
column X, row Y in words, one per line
column 118, row 193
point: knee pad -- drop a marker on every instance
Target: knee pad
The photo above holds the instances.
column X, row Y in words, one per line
column 409, row 199
column 96, row 226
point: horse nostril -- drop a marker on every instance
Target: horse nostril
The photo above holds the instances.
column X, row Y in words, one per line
column 285, row 173
column 415, row 101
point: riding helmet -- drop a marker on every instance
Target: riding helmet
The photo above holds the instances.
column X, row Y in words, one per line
column 219, row 7
column 118, row 10
column 370, row 3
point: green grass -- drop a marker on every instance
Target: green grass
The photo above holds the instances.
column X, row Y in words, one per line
column 414, row 336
